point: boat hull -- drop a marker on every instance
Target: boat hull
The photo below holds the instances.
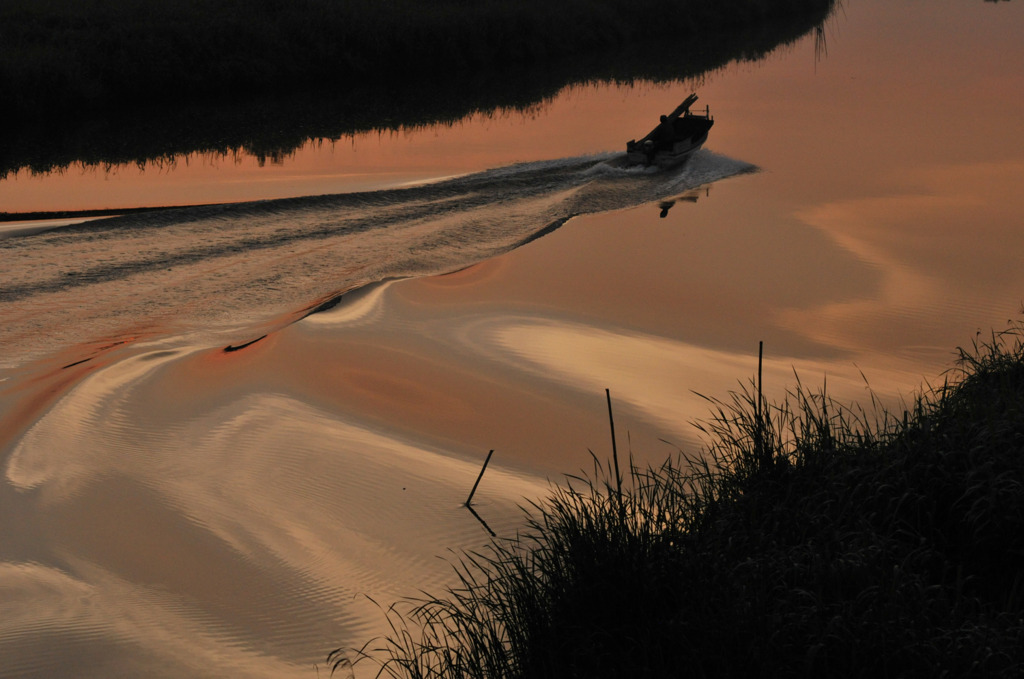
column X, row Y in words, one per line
column 689, row 132
column 666, row 158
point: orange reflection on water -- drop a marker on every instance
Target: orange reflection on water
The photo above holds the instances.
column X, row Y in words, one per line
column 952, row 244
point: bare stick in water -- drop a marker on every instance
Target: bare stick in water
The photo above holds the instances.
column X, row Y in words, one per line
column 469, row 500
column 482, row 522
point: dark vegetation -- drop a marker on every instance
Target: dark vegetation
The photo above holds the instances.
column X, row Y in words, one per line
column 809, row 540
column 115, row 81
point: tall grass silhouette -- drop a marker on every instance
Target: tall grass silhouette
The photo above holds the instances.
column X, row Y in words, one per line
column 71, row 51
column 864, row 543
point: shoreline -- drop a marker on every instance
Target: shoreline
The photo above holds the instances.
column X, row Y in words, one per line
column 221, row 53
column 107, row 120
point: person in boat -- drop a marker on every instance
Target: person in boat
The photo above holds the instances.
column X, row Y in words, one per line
column 661, row 138
column 664, row 134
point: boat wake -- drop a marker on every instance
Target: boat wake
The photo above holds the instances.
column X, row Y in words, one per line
column 231, row 267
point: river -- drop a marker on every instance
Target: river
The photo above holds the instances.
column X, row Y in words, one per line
column 229, row 431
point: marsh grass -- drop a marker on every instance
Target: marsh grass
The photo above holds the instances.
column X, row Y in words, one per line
column 867, row 543
column 85, row 51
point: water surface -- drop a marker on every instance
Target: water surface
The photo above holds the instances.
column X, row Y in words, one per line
column 169, row 508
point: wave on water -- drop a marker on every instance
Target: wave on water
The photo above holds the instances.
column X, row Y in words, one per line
column 236, row 266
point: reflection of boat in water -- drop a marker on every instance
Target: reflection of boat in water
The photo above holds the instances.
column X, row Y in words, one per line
column 677, row 136
column 690, row 196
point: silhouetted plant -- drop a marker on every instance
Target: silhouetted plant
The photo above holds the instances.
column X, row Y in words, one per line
column 869, row 544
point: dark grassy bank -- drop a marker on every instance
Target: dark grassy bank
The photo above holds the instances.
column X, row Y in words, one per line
column 114, row 81
column 810, row 540
column 79, row 52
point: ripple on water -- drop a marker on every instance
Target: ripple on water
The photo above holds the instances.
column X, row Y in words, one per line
column 255, row 524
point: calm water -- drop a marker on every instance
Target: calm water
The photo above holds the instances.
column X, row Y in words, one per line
column 171, row 509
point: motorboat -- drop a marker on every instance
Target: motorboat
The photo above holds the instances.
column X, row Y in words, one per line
column 675, row 138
